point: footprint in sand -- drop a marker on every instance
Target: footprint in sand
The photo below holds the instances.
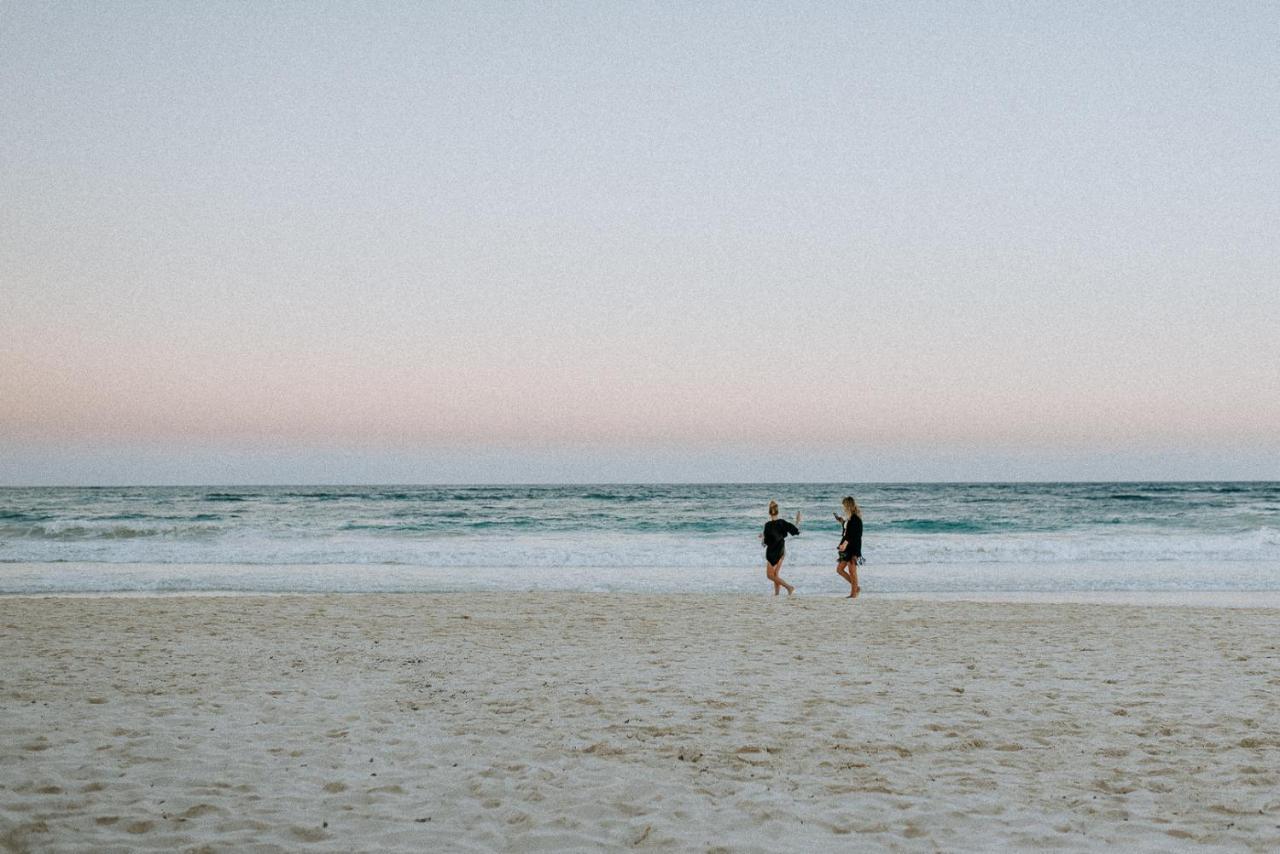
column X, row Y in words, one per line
column 201, row 809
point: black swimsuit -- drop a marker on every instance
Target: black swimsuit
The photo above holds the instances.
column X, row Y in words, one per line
column 775, row 538
column 852, row 537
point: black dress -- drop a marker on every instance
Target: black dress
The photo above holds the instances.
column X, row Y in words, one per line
column 852, row 538
column 775, row 538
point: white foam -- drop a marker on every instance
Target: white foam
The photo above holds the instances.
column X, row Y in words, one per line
column 947, row 579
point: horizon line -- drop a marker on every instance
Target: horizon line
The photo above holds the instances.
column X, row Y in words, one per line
column 402, row 485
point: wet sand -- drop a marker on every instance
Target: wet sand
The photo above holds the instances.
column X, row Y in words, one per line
column 560, row 721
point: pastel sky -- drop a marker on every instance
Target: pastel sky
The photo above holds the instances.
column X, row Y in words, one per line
column 604, row 241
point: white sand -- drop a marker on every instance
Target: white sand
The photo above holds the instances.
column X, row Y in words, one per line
column 562, row 721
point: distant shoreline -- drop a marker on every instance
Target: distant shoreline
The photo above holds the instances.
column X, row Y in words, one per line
column 1266, row 600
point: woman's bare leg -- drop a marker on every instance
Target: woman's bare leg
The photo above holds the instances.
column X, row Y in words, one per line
column 842, row 570
column 777, row 579
column 853, row 580
column 771, row 573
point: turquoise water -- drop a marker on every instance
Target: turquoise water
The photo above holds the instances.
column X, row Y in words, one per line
column 918, row 536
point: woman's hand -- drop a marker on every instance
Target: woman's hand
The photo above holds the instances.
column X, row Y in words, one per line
column 843, row 545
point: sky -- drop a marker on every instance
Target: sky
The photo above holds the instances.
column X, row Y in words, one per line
column 518, row 242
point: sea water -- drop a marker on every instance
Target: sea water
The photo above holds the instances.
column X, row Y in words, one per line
column 919, row 538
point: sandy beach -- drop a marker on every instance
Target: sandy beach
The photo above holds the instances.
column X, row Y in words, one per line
column 476, row 722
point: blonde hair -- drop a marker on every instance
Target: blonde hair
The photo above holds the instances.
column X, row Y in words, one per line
column 851, row 506
column 773, row 508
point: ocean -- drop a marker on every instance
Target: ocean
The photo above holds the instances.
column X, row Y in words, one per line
column 919, row 538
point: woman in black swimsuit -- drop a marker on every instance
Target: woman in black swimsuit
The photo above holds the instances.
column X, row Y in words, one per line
column 775, row 549
column 850, row 549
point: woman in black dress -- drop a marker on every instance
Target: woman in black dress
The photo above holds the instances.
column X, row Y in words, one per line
column 774, row 538
column 850, row 549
